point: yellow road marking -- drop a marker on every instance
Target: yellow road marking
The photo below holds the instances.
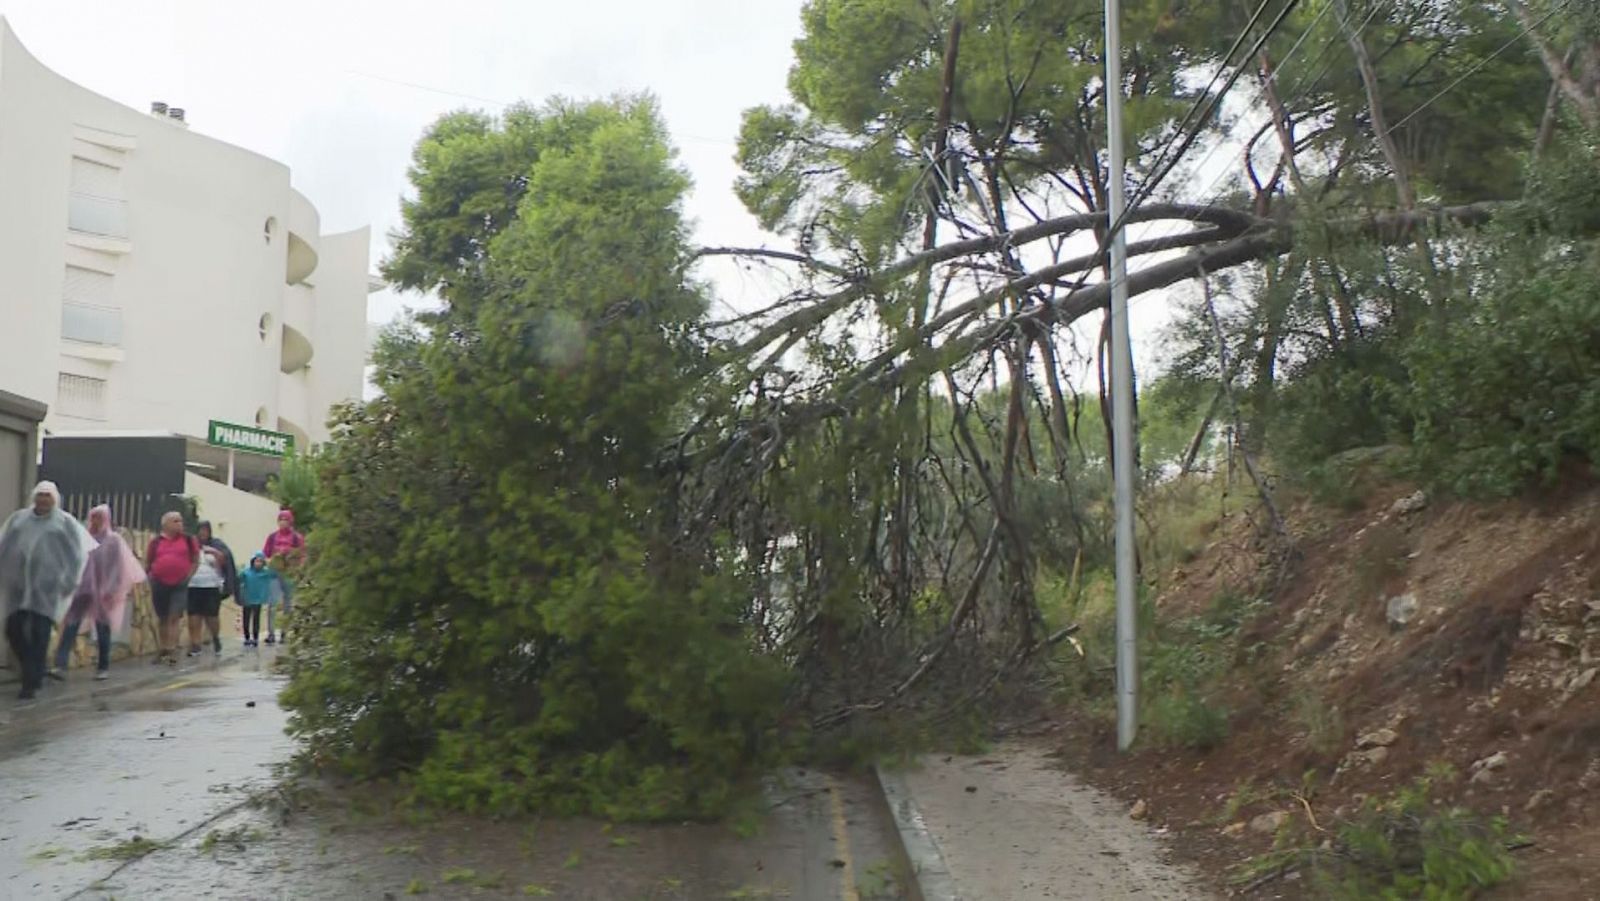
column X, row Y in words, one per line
column 176, row 685
column 841, row 841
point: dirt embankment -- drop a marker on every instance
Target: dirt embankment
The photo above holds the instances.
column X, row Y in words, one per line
column 1410, row 632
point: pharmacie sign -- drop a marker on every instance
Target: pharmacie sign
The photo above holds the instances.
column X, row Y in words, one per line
column 250, row 440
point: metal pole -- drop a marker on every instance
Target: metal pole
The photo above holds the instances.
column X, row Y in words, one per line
column 1121, row 397
column 230, row 467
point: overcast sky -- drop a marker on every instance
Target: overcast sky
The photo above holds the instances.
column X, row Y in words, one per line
column 340, row 89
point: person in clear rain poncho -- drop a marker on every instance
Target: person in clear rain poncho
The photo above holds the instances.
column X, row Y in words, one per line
column 43, row 551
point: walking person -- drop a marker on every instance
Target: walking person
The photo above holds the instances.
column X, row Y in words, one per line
column 170, row 560
column 259, row 586
column 111, row 572
column 285, row 550
column 212, row 581
column 43, row 551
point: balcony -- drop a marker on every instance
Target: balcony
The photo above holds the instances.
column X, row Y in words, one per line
column 297, row 351
column 90, row 214
column 304, row 227
column 91, row 325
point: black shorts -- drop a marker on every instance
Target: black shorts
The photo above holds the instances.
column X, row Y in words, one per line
column 169, row 600
column 205, row 601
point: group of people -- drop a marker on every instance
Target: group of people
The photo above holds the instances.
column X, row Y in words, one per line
column 54, row 570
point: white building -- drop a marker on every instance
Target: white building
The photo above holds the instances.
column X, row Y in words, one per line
column 152, row 278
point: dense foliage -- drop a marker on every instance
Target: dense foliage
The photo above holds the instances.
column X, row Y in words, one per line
column 294, row 487
column 496, row 608
column 590, row 547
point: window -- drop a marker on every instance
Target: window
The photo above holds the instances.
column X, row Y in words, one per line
column 91, row 325
column 97, row 179
column 87, row 286
column 81, row 396
column 96, row 206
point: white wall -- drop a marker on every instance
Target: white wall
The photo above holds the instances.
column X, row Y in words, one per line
column 241, row 519
column 193, row 277
column 340, row 332
column 33, row 217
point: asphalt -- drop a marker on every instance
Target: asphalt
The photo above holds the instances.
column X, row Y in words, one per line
column 1012, row 825
column 142, row 787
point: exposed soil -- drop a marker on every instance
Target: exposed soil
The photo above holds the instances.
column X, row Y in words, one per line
column 1501, row 656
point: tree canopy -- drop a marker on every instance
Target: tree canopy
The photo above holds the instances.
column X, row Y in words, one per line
column 595, row 547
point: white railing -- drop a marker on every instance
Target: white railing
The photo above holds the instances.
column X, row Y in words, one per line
column 91, row 325
column 95, row 215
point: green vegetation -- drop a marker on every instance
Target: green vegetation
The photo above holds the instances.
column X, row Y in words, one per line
column 238, row 838
column 505, row 618
column 1402, row 846
column 130, row 849
column 602, row 546
column 1321, row 724
column 295, row 486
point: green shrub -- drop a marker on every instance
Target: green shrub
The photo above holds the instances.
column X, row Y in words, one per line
column 1321, row 723
column 295, row 487
column 1506, row 392
column 1180, row 718
column 1404, row 846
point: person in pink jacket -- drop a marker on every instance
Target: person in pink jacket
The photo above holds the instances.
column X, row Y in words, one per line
column 101, row 599
column 286, row 551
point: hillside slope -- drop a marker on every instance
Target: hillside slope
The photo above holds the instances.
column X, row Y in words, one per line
column 1407, row 634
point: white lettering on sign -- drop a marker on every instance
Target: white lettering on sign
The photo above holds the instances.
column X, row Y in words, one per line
column 250, row 439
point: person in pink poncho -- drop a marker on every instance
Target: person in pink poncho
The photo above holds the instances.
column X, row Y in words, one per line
column 102, row 593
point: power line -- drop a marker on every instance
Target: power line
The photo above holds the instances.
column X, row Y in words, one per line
column 1479, row 66
column 1483, row 62
column 1154, row 178
column 1205, row 93
column 1308, row 79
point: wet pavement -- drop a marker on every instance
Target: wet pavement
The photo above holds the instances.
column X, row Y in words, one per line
column 153, row 787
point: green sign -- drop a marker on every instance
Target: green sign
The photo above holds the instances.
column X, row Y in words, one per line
column 250, row 440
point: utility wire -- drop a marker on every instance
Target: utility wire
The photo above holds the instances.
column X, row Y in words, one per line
column 1479, row 66
column 1307, row 80
column 1483, row 62
column 1154, row 178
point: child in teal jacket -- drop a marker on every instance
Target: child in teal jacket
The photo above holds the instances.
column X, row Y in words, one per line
column 259, row 586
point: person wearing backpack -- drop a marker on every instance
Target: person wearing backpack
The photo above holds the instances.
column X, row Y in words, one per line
column 170, row 560
column 213, row 580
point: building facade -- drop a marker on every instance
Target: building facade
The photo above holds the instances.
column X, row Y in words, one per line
column 152, row 278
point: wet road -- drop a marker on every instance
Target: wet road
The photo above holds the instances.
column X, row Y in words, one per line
column 142, row 791
column 92, row 770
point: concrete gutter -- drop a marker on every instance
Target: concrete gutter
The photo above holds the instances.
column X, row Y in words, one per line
column 930, row 875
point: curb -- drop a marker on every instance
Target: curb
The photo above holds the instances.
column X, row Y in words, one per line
column 930, row 874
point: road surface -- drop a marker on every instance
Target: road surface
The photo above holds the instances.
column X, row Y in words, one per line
column 151, row 787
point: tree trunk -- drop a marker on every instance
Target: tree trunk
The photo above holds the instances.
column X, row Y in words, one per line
column 1380, row 121
column 1585, row 100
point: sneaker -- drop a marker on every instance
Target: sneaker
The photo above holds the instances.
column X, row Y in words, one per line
column 55, row 674
column 27, row 694
column 269, row 639
column 101, row 675
column 194, row 651
column 161, row 657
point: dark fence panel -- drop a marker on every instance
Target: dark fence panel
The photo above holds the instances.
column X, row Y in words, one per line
column 140, row 478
